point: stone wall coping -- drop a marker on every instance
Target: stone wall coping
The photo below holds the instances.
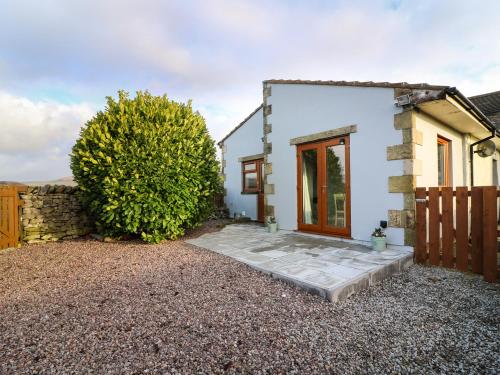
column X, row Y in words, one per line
column 51, row 189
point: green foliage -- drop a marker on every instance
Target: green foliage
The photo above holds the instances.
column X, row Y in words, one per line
column 378, row 232
column 146, row 166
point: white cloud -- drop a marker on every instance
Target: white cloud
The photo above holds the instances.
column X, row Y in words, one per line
column 249, row 21
column 217, row 52
column 36, row 137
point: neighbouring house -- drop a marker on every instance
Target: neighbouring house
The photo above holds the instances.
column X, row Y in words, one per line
column 339, row 158
column 489, row 104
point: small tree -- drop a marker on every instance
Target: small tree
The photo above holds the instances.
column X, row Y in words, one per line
column 146, row 166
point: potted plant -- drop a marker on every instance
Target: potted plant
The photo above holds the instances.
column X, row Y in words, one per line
column 272, row 225
column 379, row 242
column 267, row 220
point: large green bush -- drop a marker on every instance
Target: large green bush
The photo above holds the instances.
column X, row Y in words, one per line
column 146, row 166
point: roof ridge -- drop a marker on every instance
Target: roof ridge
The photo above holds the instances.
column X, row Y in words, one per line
column 358, row 83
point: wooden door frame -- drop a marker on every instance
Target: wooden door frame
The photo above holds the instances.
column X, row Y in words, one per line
column 322, row 226
column 346, row 231
column 259, row 190
column 260, row 195
column 448, row 172
column 300, row 225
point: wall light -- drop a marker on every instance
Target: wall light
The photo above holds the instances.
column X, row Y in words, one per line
column 402, row 100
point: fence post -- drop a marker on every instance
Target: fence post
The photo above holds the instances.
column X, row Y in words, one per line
column 490, row 233
column 19, row 211
column 447, row 226
column 434, row 225
column 462, row 229
column 477, row 229
column 421, row 225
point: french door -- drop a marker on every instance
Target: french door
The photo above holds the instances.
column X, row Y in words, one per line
column 323, row 189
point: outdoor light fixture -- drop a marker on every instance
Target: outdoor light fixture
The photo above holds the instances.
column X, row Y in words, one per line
column 403, row 100
column 342, row 141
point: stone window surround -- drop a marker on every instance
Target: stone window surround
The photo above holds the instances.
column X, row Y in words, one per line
column 337, row 132
column 250, row 158
column 258, row 170
column 244, row 159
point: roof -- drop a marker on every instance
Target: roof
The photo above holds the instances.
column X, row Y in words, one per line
column 241, row 124
column 489, row 104
column 402, row 85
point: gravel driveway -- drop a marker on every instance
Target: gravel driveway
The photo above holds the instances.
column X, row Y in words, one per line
column 87, row 306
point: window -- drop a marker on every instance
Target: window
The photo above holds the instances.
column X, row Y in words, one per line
column 443, row 156
column 251, row 176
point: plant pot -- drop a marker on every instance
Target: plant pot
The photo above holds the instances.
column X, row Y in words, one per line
column 379, row 243
column 267, row 220
column 272, row 227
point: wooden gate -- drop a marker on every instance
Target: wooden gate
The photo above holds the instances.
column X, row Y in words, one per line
column 457, row 232
column 9, row 215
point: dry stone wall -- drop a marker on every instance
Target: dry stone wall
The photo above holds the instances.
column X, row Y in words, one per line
column 51, row 213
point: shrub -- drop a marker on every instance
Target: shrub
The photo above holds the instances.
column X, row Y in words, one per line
column 146, row 166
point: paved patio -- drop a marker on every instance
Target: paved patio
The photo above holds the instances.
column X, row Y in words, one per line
column 329, row 267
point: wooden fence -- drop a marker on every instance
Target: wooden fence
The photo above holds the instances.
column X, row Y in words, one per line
column 458, row 228
column 9, row 215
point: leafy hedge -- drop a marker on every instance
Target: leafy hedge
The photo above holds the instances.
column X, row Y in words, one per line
column 146, row 166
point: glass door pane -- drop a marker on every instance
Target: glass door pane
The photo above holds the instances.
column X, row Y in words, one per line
column 310, row 186
column 441, row 163
column 336, row 186
column 262, row 175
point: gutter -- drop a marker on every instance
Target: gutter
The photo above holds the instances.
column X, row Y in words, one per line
column 473, row 110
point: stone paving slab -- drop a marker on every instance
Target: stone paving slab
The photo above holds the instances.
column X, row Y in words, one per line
column 331, row 268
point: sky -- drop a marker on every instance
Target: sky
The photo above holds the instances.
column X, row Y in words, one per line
column 59, row 59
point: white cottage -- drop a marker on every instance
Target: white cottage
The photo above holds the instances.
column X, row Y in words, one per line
column 341, row 158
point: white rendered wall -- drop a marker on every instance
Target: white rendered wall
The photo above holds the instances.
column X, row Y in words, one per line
column 483, row 168
column 427, row 153
column 245, row 141
column 300, row 110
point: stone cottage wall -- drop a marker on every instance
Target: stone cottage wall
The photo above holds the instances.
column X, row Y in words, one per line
column 51, row 213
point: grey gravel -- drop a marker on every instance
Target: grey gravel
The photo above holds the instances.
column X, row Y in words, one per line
column 126, row 307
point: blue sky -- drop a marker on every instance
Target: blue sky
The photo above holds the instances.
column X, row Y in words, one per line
column 60, row 59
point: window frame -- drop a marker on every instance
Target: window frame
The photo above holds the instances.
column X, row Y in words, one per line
column 258, row 169
column 446, row 158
